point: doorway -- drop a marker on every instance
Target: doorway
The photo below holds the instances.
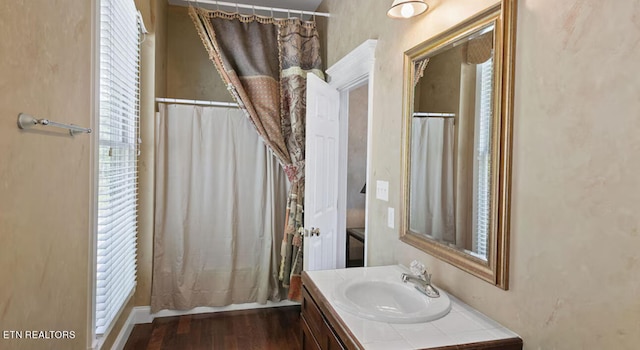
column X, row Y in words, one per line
column 353, row 77
column 357, row 121
column 350, row 83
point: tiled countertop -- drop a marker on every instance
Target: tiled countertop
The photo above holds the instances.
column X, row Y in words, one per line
column 462, row 325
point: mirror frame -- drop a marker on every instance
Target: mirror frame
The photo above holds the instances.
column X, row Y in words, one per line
column 496, row 269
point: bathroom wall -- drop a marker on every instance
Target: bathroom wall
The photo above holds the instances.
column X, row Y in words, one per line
column 575, row 204
column 190, row 73
column 159, row 19
column 45, row 213
column 45, row 190
column 439, row 90
column 153, row 84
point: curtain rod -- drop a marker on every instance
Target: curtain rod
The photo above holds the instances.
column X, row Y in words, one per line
column 253, row 7
column 196, row 102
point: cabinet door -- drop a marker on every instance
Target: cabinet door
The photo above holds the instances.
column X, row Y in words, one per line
column 316, row 326
column 313, row 316
column 308, row 340
column 332, row 341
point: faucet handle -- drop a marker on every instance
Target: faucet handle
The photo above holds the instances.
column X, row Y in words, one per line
column 417, row 268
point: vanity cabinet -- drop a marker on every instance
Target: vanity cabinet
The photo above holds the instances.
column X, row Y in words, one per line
column 324, row 329
column 317, row 333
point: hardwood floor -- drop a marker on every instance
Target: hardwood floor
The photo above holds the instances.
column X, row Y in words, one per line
column 261, row 329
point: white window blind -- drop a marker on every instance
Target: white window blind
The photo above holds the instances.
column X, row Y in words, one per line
column 483, row 156
column 117, row 160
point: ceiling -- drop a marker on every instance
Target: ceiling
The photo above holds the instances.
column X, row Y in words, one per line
column 303, row 5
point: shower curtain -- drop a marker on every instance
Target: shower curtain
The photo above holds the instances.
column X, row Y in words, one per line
column 431, row 196
column 265, row 61
column 219, row 210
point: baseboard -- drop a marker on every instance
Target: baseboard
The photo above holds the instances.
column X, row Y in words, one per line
column 125, row 331
column 142, row 314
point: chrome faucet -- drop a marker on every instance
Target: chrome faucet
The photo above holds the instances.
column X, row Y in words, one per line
column 422, row 283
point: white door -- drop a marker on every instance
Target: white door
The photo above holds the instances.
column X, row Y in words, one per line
column 321, row 175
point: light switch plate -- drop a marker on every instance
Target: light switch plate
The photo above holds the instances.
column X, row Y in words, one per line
column 390, row 217
column 382, row 190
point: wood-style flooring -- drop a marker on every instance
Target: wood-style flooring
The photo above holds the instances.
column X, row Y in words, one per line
column 260, row 329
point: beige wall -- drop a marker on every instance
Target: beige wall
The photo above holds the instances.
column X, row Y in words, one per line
column 575, row 224
column 190, row 73
column 153, row 84
column 159, row 18
column 45, row 188
column 439, row 90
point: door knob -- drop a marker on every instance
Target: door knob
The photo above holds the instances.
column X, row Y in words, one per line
column 309, row 232
column 314, row 231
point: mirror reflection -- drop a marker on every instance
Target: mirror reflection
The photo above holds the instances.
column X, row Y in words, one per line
column 451, row 144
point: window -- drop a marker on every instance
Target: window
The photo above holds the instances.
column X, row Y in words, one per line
column 482, row 164
column 118, row 140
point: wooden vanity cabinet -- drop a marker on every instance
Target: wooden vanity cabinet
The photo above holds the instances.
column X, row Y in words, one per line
column 321, row 329
column 317, row 334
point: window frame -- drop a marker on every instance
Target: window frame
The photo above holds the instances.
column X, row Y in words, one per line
column 95, row 340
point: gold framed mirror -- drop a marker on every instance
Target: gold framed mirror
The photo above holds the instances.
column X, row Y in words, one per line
column 457, row 118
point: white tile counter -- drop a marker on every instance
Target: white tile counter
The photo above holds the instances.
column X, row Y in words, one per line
column 462, row 325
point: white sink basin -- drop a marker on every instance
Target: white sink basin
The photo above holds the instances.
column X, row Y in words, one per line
column 390, row 301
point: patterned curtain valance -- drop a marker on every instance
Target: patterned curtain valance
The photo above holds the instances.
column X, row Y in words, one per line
column 480, row 49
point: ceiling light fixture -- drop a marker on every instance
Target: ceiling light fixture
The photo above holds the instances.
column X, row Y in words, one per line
column 407, row 8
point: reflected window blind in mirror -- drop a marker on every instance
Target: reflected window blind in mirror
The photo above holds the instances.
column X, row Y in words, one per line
column 483, row 155
column 117, row 160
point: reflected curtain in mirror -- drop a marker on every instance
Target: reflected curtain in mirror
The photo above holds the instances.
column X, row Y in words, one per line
column 451, row 149
column 431, row 198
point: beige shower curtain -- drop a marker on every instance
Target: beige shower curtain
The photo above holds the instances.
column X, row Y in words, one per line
column 431, row 196
column 220, row 202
